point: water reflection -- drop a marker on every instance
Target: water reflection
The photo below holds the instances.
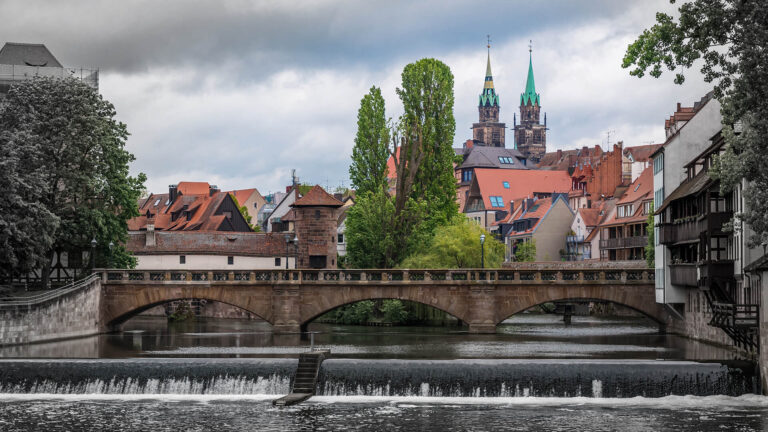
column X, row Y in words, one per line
column 522, row 336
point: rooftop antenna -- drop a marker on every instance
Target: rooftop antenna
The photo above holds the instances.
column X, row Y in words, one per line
column 489, row 43
column 608, row 139
column 530, row 46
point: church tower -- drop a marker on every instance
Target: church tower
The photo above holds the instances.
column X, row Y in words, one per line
column 488, row 131
column 530, row 134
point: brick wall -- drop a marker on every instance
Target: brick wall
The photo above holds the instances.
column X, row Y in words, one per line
column 316, row 230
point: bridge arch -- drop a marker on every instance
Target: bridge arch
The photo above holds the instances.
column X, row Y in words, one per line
column 637, row 301
column 120, row 307
column 320, row 303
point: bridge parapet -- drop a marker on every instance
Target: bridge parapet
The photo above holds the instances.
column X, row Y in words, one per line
column 517, row 276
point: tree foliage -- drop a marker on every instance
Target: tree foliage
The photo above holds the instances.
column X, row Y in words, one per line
column 384, row 229
column 77, row 149
column 368, row 170
column 526, row 251
column 650, row 247
column 457, row 245
column 728, row 38
column 367, row 232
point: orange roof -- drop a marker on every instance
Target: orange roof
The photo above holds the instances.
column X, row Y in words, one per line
column 317, row 196
column 537, row 210
column 590, row 216
column 641, row 187
column 193, row 188
column 522, row 184
column 201, row 207
column 242, row 195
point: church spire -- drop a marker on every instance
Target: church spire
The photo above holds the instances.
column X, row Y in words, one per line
column 530, row 95
column 489, row 97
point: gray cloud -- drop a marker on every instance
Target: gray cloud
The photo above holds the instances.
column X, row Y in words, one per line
column 238, row 93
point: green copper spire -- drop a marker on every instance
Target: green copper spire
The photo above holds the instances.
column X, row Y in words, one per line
column 489, row 97
column 530, row 94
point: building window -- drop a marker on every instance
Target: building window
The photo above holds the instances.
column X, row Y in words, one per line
column 182, row 259
column 230, row 260
column 507, row 160
column 496, row 201
column 277, row 262
column 626, row 210
column 505, row 184
column 658, row 163
column 658, row 198
column 341, row 238
column 466, row 175
column 317, row 214
column 646, row 207
column 256, row 205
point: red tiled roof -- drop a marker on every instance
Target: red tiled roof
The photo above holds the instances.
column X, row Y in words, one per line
column 202, row 209
column 209, row 243
column 193, row 188
column 641, row 153
column 317, row 197
column 522, row 184
column 641, row 187
column 590, row 216
column 242, row 195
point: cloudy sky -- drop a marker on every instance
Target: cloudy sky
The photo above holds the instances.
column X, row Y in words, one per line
column 238, row 93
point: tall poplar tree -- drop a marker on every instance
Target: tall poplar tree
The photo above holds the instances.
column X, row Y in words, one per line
column 368, row 170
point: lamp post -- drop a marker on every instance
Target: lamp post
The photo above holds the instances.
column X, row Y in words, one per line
column 111, row 248
column 93, row 253
column 287, row 242
column 296, row 250
column 482, row 251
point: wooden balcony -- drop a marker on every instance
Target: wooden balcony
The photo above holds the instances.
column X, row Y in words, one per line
column 624, row 242
column 684, row 275
column 680, row 232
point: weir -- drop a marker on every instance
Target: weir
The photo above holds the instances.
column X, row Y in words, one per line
column 353, row 377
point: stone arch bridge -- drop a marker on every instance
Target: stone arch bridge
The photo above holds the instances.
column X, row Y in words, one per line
column 290, row 299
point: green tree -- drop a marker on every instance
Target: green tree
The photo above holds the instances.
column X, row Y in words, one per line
column 80, row 152
column 526, row 251
column 425, row 192
column 367, row 233
column 368, row 170
column 728, row 39
column 650, row 248
column 382, row 230
column 26, row 226
column 457, row 245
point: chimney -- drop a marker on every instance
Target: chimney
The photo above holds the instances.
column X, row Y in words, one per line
column 173, row 192
column 511, row 207
column 150, row 235
column 212, row 189
column 559, row 154
column 339, row 196
column 468, row 144
column 678, row 107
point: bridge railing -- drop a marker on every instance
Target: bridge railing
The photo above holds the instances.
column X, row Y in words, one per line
column 496, row 276
column 29, row 301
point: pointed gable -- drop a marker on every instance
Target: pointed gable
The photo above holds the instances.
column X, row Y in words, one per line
column 317, row 197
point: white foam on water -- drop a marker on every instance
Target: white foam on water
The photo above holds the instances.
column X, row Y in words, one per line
column 667, row 402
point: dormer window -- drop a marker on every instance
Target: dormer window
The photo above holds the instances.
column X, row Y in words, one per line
column 507, row 160
column 157, row 202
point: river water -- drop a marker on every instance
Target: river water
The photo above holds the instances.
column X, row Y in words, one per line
column 535, row 373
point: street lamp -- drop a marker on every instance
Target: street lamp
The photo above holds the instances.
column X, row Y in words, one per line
column 296, row 254
column 287, row 242
column 93, row 253
column 111, row 248
column 482, row 251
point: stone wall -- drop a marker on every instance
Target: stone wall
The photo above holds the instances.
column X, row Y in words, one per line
column 74, row 314
column 696, row 323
